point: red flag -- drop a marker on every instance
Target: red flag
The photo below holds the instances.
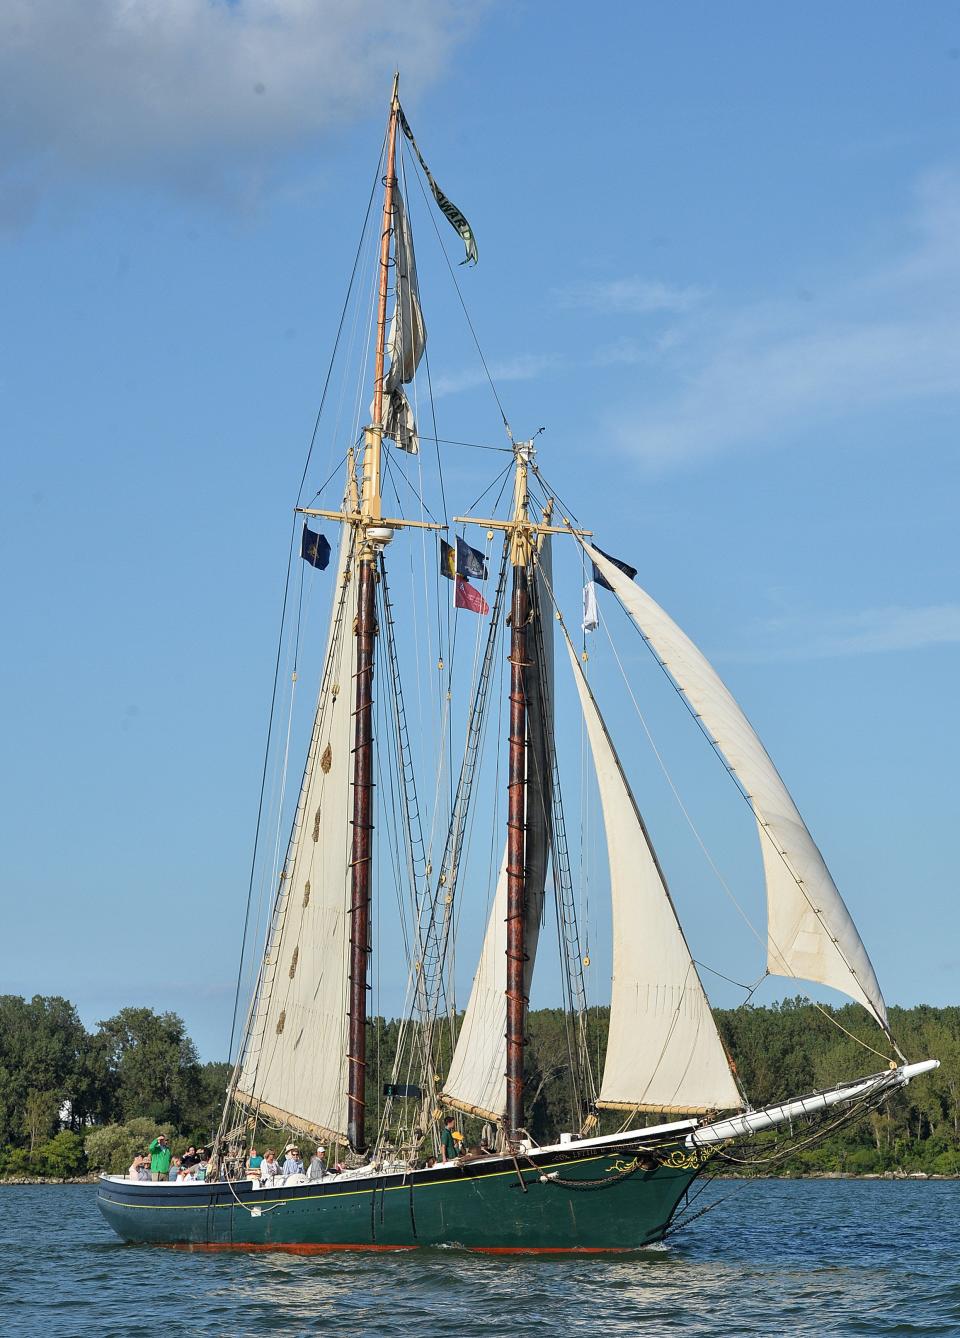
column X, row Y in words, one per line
column 468, row 597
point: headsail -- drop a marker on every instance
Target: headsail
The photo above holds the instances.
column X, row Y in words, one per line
column 663, row 1052
column 810, row 933
column 476, row 1081
column 294, row 1067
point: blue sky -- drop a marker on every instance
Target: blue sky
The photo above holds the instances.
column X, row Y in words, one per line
column 718, row 263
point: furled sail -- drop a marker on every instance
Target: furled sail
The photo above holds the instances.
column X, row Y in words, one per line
column 810, row 933
column 407, row 337
column 294, row 1062
column 476, row 1082
column 663, row 1051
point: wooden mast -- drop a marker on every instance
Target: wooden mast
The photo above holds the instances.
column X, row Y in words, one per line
column 517, row 798
column 366, row 631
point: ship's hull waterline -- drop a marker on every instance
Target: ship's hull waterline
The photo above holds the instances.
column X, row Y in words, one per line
column 551, row 1203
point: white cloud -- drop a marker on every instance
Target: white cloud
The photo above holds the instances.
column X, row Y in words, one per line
column 196, row 91
column 629, row 294
column 868, row 632
column 524, row 367
column 739, row 375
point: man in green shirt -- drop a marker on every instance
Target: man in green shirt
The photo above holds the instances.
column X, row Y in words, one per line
column 159, row 1158
column 448, row 1146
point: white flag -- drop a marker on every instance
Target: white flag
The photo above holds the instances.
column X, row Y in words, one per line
column 591, row 619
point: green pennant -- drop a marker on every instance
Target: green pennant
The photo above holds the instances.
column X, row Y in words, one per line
column 447, row 207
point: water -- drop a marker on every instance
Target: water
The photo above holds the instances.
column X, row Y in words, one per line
column 798, row 1257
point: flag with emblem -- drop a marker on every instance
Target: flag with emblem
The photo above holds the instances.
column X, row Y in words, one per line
column 448, row 560
column 314, row 548
column 469, row 597
column 470, row 561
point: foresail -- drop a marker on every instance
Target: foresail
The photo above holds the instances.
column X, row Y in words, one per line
column 294, row 1062
column 663, row 1051
column 810, row 933
column 476, row 1082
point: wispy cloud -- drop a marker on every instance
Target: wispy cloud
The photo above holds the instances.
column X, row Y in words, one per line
column 735, row 375
column 202, row 94
column 524, row 367
column 632, row 294
column 868, row 632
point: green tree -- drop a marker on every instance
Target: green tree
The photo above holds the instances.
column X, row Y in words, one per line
column 153, row 1065
column 113, row 1147
column 40, row 1045
column 62, row 1156
column 40, row 1117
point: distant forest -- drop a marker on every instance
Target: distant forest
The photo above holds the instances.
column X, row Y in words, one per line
column 73, row 1100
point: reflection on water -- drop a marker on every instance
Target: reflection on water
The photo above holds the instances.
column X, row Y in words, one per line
column 799, row 1257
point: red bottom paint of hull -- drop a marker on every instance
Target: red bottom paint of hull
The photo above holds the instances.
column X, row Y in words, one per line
column 397, row 1249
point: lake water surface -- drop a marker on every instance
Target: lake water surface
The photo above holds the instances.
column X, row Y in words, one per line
column 776, row 1257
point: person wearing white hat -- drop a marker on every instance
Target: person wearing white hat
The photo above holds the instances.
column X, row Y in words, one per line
column 318, row 1167
column 292, row 1164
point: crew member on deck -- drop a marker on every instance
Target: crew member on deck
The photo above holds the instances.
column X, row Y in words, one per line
column 448, row 1146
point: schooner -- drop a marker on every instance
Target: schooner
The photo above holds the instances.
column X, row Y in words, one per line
column 668, row 1099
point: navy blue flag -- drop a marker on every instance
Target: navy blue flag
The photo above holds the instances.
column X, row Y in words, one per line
column 624, row 567
column 470, row 561
column 314, row 548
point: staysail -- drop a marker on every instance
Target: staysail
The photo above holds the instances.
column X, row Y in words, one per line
column 294, row 1063
column 476, row 1082
column 810, row 933
column 663, row 1051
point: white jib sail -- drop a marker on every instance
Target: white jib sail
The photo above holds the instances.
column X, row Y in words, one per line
column 663, row 1051
column 477, row 1080
column 294, row 1065
column 810, row 934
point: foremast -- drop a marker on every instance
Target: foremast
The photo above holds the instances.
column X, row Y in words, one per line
column 371, row 535
column 373, row 532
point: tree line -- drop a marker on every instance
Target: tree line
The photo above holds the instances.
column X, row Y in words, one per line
column 73, row 1100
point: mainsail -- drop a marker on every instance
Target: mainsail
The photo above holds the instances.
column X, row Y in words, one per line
column 663, row 1051
column 810, row 933
column 294, row 1066
column 476, row 1082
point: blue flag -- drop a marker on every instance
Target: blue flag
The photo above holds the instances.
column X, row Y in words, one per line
column 624, row 567
column 470, row 561
column 314, row 548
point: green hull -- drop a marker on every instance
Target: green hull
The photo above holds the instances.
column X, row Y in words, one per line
column 554, row 1202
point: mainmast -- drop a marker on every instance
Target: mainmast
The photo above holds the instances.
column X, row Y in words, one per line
column 527, row 766
column 517, row 795
column 370, row 534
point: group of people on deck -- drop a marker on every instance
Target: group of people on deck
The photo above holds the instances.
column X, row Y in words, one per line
column 158, row 1163
column 271, row 1173
column 266, row 1171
